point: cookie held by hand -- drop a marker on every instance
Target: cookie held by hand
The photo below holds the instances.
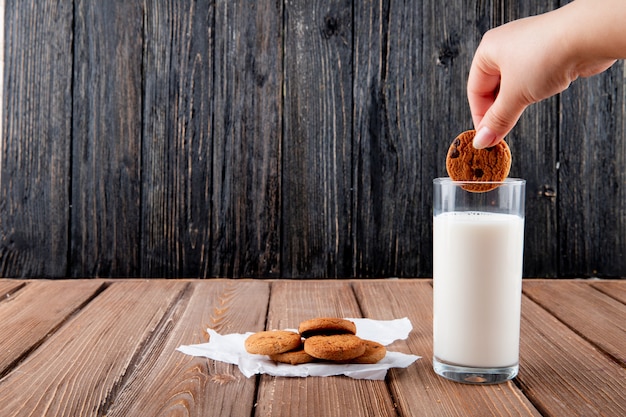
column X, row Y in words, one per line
column 466, row 163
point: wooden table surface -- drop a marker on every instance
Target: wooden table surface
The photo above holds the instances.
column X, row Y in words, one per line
column 108, row 348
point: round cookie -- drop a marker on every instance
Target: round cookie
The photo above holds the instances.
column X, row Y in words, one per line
column 326, row 326
column 466, row 163
column 338, row 347
column 374, row 352
column 271, row 342
column 293, row 357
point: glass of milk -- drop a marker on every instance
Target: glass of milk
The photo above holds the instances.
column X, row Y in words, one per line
column 478, row 244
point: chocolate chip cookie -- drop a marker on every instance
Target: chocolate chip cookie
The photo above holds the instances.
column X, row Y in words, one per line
column 466, row 163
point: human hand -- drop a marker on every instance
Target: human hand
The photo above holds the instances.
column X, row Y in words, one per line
column 523, row 62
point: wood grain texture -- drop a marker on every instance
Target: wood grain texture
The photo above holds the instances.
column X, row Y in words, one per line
column 291, row 303
column 389, row 141
column 92, row 353
column 27, row 318
column 115, row 353
column 36, row 138
column 417, row 390
column 595, row 316
column 106, row 154
column 190, row 385
column 246, row 177
column 288, row 138
column 614, row 289
column 8, row 288
column 592, row 181
column 563, row 374
column 177, row 139
column 316, row 208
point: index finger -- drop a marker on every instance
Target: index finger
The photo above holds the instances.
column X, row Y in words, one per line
column 483, row 84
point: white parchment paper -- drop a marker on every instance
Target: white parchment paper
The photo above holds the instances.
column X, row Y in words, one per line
column 230, row 348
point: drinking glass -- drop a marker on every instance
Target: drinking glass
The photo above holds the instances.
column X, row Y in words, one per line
column 478, row 241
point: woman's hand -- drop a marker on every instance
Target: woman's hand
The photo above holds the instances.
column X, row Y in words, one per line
column 531, row 59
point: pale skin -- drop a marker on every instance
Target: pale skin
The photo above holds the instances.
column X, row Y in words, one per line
column 528, row 60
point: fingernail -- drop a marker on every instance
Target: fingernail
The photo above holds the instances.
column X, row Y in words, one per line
column 484, row 138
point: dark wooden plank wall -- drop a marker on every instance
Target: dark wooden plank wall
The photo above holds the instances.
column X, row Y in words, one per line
column 269, row 138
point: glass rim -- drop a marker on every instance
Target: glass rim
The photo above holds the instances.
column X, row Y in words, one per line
column 448, row 180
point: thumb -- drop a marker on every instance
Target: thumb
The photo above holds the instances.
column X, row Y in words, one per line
column 498, row 121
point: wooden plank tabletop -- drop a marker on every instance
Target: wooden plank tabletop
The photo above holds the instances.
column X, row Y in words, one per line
column 108, row 348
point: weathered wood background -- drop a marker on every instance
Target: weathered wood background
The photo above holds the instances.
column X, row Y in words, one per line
column 268, row 138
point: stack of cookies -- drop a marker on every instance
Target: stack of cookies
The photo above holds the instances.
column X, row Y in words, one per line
column 320, row 339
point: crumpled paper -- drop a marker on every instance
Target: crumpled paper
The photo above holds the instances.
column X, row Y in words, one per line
column 230, row 348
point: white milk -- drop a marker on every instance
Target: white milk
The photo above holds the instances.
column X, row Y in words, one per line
column 477, row 288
